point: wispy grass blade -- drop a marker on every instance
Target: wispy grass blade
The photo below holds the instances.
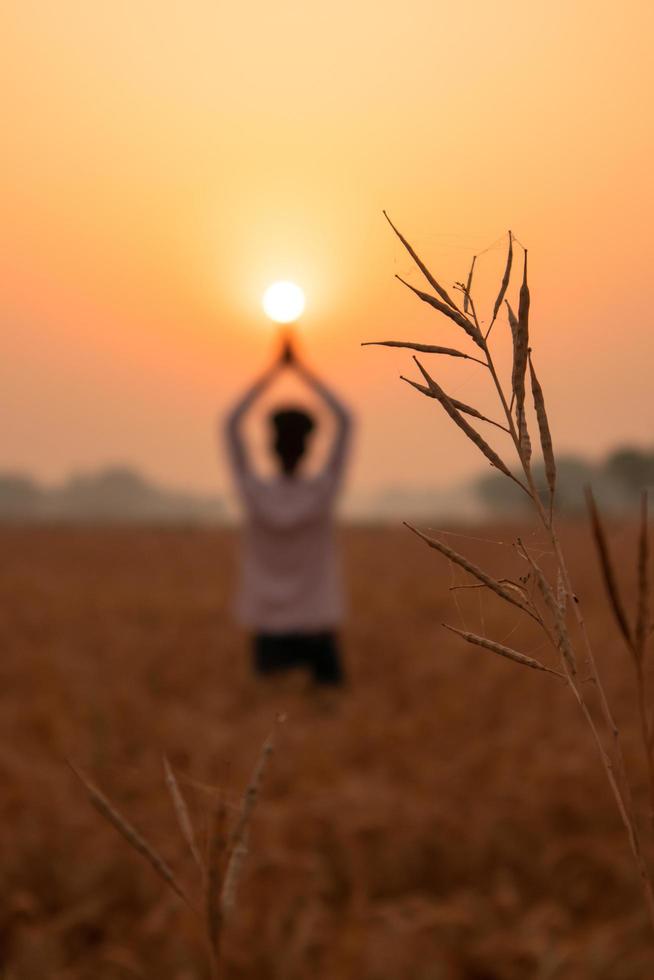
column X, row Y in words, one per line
column 238, row 840
column 232, row 875
column 251, row 794
column 215, row 876
column 131, row 835
column 182, row 813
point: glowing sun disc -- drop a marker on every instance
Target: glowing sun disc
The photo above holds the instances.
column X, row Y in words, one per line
column 283, row 302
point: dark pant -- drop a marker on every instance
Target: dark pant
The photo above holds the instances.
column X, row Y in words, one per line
column 274, row 652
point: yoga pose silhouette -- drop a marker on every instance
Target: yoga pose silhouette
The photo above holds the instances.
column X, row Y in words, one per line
column 290, row 594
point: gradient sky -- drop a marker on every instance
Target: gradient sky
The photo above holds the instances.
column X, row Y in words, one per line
column 164, row 161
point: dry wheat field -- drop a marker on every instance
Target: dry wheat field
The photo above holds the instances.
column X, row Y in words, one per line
column 444, row 818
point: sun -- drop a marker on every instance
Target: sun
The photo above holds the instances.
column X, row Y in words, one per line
column 283, row 302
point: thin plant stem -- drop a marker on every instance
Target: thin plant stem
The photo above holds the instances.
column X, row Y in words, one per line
column 645, row 733
column 627, row 818
column 607, row 733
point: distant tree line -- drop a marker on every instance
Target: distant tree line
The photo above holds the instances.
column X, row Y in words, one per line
column 617, row 482
column 114, row 494
column 122, row 494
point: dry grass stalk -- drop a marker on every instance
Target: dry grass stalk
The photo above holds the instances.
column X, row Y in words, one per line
column 232, row 875
column 559, row 597
column 215, row 871
column 251, row 794
column 458, row 419
column 131, row 835
column 503, row 651
column 226, row 852
column 182, row 813
column 636, row 638
column 227, row 858
column 557, row 610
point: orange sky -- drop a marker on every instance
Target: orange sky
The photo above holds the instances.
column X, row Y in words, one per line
column 163, row 161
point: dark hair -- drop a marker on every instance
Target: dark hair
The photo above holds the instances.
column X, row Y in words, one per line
column 291, row 427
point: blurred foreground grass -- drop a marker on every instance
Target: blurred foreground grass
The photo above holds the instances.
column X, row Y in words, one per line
column 445, row 818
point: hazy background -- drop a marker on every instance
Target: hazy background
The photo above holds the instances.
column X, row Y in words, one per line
column 162, row 163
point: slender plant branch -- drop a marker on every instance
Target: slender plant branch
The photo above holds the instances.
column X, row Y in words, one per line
column 554, row 619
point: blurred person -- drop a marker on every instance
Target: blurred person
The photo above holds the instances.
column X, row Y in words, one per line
column 290, row 593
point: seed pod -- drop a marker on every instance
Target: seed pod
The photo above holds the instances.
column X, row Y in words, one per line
column 513, row 320
column 562, row 638
column 524, row 302
column 511, row 596
column 515, row 333
column 523, row 435
column 521, row 346
column 499, row 648
column 462, row 407
column 423, row 268
column 423, row 348
column 466, row 298
column 462, row 321
column 544, row 430
column 505, row 280
column 471, row 433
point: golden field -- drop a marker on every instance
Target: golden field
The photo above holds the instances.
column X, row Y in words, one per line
column 444, row 818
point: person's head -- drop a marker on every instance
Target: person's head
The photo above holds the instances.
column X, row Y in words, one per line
column 291, row 429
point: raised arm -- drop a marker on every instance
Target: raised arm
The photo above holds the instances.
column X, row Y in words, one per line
column 338, row 453
column 234, row 422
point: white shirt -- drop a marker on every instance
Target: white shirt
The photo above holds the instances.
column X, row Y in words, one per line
column 290, row 579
